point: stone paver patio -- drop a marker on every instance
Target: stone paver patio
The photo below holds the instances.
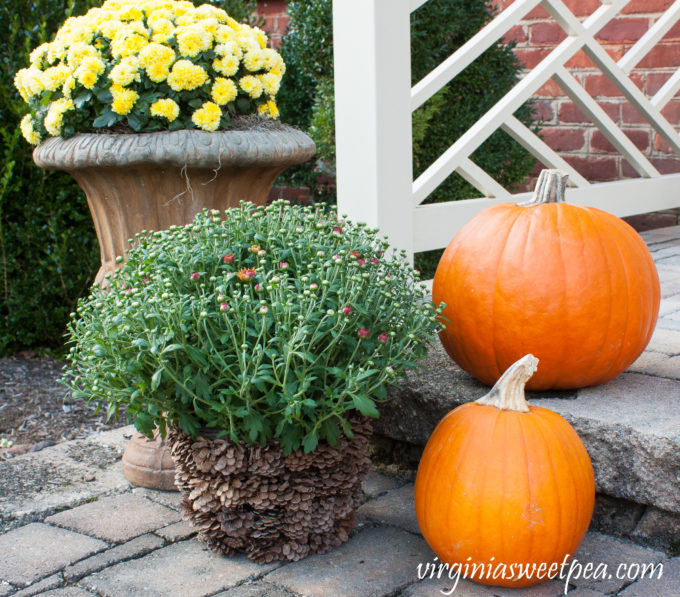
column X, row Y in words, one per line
column 73, row 526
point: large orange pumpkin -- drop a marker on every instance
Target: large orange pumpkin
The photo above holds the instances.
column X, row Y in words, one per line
column 576, row 286
column 502, row 484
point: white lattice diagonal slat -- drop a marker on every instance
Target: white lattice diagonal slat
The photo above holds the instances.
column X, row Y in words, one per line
column 386, row 154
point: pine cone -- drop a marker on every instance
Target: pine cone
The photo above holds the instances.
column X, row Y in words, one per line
column 253, row 499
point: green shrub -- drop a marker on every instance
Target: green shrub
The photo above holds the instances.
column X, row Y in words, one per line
column 48, row 248
column 272, row 323
column 306, row 97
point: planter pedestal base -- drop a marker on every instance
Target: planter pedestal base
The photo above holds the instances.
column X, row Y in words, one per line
column 148, row 463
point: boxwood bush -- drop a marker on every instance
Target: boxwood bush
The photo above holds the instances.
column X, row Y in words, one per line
column 48, row 248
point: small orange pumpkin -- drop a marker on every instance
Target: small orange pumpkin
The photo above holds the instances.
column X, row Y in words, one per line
column 504, row 483
column 576, row 286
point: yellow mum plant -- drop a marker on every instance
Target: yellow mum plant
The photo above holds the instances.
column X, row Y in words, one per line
column 151, row 65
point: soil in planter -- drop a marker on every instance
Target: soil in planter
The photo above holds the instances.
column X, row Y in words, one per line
column 253, row 499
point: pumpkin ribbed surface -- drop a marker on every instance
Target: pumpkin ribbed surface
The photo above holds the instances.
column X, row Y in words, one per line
column 500, row 486
column 575, row 286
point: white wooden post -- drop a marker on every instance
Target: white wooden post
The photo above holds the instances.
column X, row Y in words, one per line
column 372, row 53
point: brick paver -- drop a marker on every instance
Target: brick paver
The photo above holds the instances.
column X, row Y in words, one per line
column 184, row 569
column 37, row 550
column 598, row 548
column 116, row 519
column 394, row 508
column 668, row 584
column 374, row 562
column 466, row 588
column 376, row 484
column 126, row 551
column 176, row 532
column 255, row 589
column 69, row 592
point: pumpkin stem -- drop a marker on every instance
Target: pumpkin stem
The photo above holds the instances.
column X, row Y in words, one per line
column 508, row 393
column 550, row 188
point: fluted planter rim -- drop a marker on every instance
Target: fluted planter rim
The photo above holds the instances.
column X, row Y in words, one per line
column 280, row 144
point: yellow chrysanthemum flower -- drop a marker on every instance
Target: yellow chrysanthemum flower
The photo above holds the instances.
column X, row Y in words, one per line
column 157, row 73
column 127, row 45
column 273, row 109
column 126, row 71
column 253, row 60
column 159, row 13
column 76, row 29
column 37, row 55
column 261, row 37
column 88, row 72
column 56, row 51
column 227, row 66
column 123, row 99
column 207, row 11
column 54, row 118
column 109, row 29
column 186, row 76
column 224, row 33
column 228, row 48
column 165, row 108
column 233, row 23
column 129, row 12
column 28, row 82
column 271, row 58
column 161, row 30
column 223, row 91
column 78, row 52
column 192, row 40
column 246, row 40
column 156, row 55
column 270, row 83
column 55, row 76
column 68, row 86
column 270, row 109
column 207, row 117
column 251, row 85
column 28, row 130
column 210, row 24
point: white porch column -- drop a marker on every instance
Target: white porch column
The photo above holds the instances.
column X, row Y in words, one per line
column 372, row 52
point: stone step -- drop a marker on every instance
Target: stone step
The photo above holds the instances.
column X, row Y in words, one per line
column 630, row 426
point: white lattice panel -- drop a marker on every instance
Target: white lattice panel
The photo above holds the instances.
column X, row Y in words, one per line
column 374, row 103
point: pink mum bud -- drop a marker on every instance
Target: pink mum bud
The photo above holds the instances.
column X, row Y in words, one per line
column 195, row 276
column 283, row 265
column 224, row 307
column 382, row 338
column 347, row 310
column 229, row 258
column 363, row 333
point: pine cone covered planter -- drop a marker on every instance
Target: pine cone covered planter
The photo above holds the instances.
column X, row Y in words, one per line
column 272, row 507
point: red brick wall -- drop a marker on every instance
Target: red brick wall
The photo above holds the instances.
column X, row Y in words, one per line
column 274, row 12
column 565, row 128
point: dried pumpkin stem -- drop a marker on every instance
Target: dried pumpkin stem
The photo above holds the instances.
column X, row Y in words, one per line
column 550, row 188
column 508, row 393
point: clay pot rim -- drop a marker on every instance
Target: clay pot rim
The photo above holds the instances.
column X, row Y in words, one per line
column 282, row 145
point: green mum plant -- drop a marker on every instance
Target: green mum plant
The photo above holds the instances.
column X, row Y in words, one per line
column 269, row 324
column 149, row 65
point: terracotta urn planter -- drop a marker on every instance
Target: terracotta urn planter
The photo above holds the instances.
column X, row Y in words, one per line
column 151, row 181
